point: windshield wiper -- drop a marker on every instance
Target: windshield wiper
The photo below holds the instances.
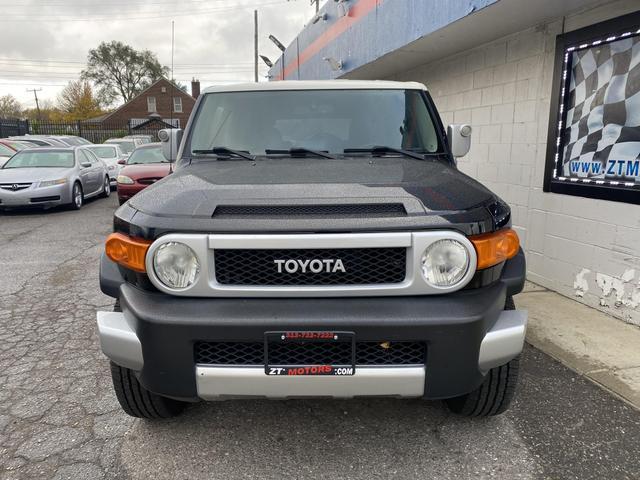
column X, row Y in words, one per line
column 299, row 152
column 381, row 149
column 228, row 152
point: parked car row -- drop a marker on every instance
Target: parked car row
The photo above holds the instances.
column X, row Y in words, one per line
column 8, row 148
column 47, row 171
column 51, row 176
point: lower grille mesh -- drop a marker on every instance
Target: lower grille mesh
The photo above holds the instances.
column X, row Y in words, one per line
column 311, row 353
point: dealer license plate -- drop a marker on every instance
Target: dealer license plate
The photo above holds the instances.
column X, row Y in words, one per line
column 327, row 346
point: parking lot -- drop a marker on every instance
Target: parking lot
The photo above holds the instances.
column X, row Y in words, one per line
column 59, row 417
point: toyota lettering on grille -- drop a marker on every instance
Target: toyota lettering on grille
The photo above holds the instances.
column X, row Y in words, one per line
column 329, row 265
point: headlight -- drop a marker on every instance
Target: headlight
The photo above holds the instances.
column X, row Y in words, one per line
column 176, row 265
column 125, row 180
column 111, row 167
column 445, row 263
column 50, row 183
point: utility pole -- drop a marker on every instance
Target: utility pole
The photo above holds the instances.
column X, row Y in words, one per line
column 255, row 46
column 35, row 94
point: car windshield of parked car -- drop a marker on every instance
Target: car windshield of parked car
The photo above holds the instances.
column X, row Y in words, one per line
column 40, row 143
column 324, row 120
column 147, row 155
column 35, row 159
column 73, row 141
column 19, row 146
column 104, row 152
column 5, row 151
column 127, row 146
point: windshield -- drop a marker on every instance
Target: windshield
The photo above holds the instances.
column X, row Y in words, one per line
column 127, row 146
column 40, row 143
column 104, row 152
column 73, row 141
column 19, row 146
column 5, row 151
column 147, row 155
column 31, row 159
column 324, row 120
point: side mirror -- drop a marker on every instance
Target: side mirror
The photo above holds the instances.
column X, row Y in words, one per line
column 459, row 139
column 122, row 162
column 85, row 165
column 170, row 138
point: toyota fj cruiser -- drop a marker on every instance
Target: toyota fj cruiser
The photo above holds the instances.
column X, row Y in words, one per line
column 315, row 240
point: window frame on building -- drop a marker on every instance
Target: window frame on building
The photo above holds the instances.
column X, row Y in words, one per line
column 175, row 109
column 150, row 99
column 592, row 36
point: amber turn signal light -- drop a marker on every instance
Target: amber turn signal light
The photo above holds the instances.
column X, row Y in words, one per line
column 126, row 251
column 494, row 248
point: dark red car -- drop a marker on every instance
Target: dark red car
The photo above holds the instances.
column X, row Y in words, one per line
column 144, row 167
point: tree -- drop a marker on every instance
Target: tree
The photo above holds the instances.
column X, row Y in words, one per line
column 121, row 72
column 78, row 102
column 48, row 112
column 10, row 107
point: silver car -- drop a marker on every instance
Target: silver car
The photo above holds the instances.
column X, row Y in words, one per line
column 70, row 140
column 143, row 138
column 128, row 145
column 40, row 140
column 113, row 156
column 53, row 176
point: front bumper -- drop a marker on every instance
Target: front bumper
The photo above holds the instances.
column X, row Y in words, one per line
column 125, row 192
column 466, row 333
column 47, row 196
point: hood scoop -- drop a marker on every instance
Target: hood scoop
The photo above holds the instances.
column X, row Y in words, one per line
column 355, row 210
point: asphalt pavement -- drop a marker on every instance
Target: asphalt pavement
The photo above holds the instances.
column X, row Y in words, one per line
column 59, row 417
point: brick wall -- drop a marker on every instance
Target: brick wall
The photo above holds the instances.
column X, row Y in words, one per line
column 584, row 248
column 137, row 108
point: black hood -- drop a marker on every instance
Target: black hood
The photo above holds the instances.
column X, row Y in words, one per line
column 430, row 194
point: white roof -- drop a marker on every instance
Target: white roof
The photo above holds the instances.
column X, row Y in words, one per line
column 317, row 85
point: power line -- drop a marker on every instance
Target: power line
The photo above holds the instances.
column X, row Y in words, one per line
column 102, row 4
column 126, row 16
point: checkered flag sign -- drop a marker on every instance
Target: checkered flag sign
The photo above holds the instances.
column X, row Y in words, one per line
column 602, row 134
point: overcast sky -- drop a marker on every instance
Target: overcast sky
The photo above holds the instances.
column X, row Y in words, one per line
column 45, row 42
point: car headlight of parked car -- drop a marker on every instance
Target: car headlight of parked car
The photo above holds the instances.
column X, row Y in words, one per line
column 176, row 265
column 111, row 167
column 445, row 263
column 123, row 179
column 50, row 183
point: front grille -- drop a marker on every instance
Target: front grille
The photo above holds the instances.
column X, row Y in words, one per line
column 148, row 181
column 363, row 210
column 14, row 187
column 362, row 266
column 311, row 353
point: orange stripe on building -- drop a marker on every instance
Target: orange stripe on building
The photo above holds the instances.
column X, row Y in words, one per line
column 355, row 14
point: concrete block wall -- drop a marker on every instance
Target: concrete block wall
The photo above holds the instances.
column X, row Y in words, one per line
column 583, row 248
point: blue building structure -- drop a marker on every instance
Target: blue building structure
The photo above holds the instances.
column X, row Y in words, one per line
column 549, row 87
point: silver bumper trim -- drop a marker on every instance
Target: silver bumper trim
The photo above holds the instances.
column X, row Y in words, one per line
column 119, row 341
column 216, row 383
column 504, row 341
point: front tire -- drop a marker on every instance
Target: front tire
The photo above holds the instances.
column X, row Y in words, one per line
column 106, row 188
column 77, row 197
column 136, row 400
column 493, row 397
column 497, row 391
column 139, row 402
